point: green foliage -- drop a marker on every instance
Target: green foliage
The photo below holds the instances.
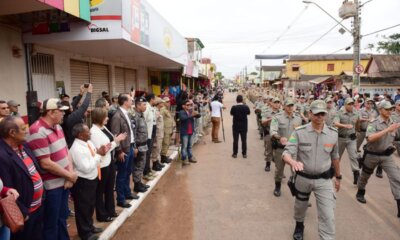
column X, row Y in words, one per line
column 391, row 45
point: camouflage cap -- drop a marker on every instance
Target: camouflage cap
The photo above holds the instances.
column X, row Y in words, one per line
column 276, row 100
column 318, row 106
column 385, row 105
column 328, row 99
column 369, row 100
column 289, row 101
column 348, row 101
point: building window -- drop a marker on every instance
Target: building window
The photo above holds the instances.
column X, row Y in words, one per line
column 331, row 67
column 295, row 67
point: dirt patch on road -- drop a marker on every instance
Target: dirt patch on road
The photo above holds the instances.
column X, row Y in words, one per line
column 166, row 213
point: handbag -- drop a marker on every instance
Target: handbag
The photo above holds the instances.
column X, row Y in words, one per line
column 12, row 216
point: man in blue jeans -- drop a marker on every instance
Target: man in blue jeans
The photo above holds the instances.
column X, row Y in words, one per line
column 186, row 117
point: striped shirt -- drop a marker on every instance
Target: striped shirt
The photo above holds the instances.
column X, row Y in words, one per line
column 49, row 142
column 36, row 179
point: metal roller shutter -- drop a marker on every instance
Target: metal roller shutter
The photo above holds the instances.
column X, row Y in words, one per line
column 79, row 76
column 43, row 76
column 119, row 81
column 99, row 76
column 130, row 79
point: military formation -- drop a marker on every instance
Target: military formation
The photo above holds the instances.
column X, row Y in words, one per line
column 311, row 134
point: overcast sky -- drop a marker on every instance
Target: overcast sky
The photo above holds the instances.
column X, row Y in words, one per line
column 234, row 31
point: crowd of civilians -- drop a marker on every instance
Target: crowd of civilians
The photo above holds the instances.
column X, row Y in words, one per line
column 86, row 153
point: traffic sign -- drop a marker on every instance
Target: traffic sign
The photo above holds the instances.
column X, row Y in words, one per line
column 359, row 69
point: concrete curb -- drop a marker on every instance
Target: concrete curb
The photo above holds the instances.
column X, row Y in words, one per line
column 110, row 231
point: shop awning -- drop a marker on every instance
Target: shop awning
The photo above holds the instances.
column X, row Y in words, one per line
column 320, row 80
column 277, row 83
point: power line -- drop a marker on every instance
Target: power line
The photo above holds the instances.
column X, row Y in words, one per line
column 397, row 25
column 317, row 40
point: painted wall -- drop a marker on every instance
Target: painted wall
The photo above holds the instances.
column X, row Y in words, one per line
column 320, row 67
column 12, row 69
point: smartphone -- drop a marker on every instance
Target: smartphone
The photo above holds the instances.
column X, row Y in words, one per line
column 86, row 85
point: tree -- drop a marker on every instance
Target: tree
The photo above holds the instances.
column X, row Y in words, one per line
column 218, row 75
column 391, row 45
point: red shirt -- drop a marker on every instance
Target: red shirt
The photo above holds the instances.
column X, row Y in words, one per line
column 190, row 127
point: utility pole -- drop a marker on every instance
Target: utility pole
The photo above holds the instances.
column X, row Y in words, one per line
column 356, row 47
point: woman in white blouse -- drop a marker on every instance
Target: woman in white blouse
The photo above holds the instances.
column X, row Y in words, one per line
column 100, row 135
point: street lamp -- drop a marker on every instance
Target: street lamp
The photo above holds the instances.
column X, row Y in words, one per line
column 356, row 41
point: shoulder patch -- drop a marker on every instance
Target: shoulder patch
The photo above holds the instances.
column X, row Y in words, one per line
column 333, row 128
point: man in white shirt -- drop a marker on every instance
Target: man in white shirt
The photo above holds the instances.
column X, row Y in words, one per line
column 86, row 162
column 216, row 110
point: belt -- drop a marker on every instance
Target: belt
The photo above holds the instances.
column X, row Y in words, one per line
column 324, row 175
column 344, row 136
column 141, row 144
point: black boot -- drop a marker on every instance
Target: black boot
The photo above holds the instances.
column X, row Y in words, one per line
column 298, row 231
column 360, row 196
column 379, row 172
column 140, row 187
column 165, row 159
column 156, row 166
column 277, row 191
column 268, row 166
column 398, row 208
column 356, row 175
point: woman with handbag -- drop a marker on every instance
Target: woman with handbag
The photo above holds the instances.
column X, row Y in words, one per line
column 4, row 192
column 100, row 135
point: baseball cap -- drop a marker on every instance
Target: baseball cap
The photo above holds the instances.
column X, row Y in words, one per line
column 276, row 100
column 318, row 106
column 370, row 100
column 53, row 104
column 289, row 101
column 302, row 96
column 166, row 99
column 397, row 102
column 159, row 100
column 385, row 105
column 13, row 103
column 348, row 101
column 328, row 99
column 140, row 99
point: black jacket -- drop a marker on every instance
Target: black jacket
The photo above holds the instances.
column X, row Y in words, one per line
column 239, row 113
column 15, row 174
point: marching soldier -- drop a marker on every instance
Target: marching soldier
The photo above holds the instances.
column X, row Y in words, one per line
column 168, row 130
column 312, row 151
column 330, row 107
column 282, row 126
column 381, row 133
column 266, row 117
column 366, row 115
column 257, row 106
column 346, row 120
column 396, row 118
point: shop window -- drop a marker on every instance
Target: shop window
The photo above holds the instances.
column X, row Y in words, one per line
column 331, row 67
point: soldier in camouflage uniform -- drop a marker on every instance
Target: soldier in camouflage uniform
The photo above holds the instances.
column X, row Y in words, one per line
column 157, row 143
column 282, row 126
column 396, row 118
column 258, row 104
column 311, row 152
column 330, row 107
column 168, row 130
column 267, row 114
column 381, row 133
column 346, row 120
column 366, row 115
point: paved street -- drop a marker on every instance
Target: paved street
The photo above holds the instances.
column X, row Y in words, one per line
column 225, row 198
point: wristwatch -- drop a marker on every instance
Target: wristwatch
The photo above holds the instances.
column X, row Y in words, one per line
column 339, row 177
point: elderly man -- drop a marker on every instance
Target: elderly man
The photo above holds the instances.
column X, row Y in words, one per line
column 50, row 148
column 4, row 109
column 86, row 161
column 19, row 170
column 13, row 105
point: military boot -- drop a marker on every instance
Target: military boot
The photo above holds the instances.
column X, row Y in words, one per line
column 165, row 159
column 360, row 196
column 298, row 231
column 268, row 166
column 379, row 172
column 356, row 175
column 140, row 187
column 398, row 208
column 156, row 167
column 277, row 191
